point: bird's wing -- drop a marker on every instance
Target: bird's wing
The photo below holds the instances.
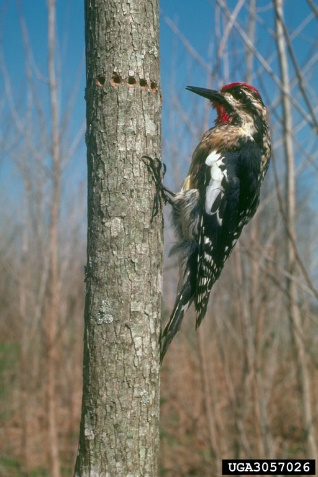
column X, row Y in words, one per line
column 229, row 194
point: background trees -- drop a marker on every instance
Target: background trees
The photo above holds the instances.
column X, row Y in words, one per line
column 252, row 365
column 246, row 383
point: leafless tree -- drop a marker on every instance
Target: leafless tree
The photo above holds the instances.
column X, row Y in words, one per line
column 251, row 366
column 120, row 413
column 38, row 261
column 245, row 384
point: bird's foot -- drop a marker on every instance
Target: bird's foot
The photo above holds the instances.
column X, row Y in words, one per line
column 163, row 194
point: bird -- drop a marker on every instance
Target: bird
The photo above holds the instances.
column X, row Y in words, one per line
column 218, row 197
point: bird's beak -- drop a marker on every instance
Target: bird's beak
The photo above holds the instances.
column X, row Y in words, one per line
column 211, row 94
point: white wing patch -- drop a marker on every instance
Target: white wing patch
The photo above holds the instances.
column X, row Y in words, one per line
column 214, row 160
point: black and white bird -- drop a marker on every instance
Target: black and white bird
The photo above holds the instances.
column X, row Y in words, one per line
column 218, row 197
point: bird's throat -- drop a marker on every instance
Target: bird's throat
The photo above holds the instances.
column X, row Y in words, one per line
column 222, row 116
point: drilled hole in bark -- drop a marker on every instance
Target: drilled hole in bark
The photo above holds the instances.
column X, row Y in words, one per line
column 131, row 81
column 115, row 80
column 143, row 83
column 100, row 80
column 153, row 86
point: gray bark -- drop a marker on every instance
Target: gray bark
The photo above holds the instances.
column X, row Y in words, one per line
column 119, row 433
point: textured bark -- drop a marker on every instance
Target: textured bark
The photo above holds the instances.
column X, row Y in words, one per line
column 119, row 433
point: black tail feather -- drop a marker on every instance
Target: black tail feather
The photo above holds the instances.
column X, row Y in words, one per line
column 201, row 309
column 183, row 301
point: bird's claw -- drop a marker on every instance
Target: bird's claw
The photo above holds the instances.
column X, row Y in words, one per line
column 158, row 170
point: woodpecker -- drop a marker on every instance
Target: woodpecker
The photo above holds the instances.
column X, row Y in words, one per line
column 218, row 197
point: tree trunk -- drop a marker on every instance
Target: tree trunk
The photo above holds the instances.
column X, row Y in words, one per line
column 119, row 434
column 53, row 299
column 294, row 311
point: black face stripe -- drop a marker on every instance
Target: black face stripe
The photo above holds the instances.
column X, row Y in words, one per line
column 247, row 100
column 249, row 105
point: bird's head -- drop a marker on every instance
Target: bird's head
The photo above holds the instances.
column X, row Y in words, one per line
column 234, row 103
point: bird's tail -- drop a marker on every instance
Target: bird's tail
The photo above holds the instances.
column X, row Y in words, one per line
column 201, row 307
column 183, row 301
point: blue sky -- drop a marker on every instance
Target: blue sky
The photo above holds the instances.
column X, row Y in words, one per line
column 195, row 20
